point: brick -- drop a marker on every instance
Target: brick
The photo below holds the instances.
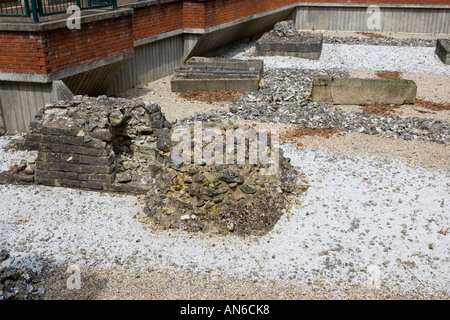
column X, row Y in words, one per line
column 74, row 140
column 45, row 181
column 71, row 149
column 79, row 168
column 91, row 185
column 106, row 178
column 56, row 175
column 60, row 131
column 68, row 183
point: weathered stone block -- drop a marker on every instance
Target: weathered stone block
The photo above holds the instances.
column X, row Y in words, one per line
column 443, row 50
column 306, row 46
column 363, row 91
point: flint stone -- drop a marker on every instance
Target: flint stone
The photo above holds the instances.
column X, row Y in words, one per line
column 230, row 177
column 116, row 118
column 165, row 142
column 247, row 189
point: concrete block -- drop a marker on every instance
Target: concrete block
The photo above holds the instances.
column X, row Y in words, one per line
column 363, row 91
column 306, row 46
column 227, row 63
column 443, row 50
column 215, row 74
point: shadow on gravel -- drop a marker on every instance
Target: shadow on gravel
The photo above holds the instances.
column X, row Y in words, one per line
column 31, row 278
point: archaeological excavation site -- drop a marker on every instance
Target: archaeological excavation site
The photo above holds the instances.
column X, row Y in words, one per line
column 224, row 150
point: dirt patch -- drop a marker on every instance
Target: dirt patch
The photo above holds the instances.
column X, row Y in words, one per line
column 382, row 109
column 372, row 35
column 211, row 96
column 388, row 74
column 432, row 105
column 298, row 132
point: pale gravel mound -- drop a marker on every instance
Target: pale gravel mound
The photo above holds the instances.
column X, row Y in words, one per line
column 356, row 57
column 395, row 35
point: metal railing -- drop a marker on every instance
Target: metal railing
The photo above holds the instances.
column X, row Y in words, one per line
column 42, row 8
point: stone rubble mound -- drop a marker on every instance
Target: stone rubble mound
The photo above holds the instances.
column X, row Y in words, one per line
column 220, row 198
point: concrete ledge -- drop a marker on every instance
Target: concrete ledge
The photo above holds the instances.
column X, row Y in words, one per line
column 363, row 91
column 88, row 17
column 42, row 78
column 443, row 50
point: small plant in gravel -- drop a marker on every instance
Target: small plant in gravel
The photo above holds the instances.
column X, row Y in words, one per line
column 431, row 246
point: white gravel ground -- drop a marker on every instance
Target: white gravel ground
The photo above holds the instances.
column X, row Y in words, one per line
column 359, row 215
column 355, row 57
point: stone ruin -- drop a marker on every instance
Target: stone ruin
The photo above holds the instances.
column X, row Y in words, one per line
column 285, row 40
column 245, row 198
column 216, row 74
column 119, row 145
column 95, row 143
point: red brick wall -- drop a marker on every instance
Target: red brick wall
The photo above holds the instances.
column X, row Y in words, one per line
column 157, row 19
column 95, row 41
column 56, row 50
column 385, row 1
column 53, row 51
column 21, row 52
column 222, row 11
column 193, row 14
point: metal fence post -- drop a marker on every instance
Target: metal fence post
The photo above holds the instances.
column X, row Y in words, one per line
column 34, row 11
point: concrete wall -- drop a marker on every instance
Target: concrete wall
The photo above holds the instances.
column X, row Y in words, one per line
column 151, row 61
column 394, row 18
column 20, row 101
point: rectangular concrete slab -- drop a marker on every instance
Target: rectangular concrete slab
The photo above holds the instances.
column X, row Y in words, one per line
column 443, row 50
column 225, row 62
column 215, row 74
column 308, row 46
column 363, row 91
